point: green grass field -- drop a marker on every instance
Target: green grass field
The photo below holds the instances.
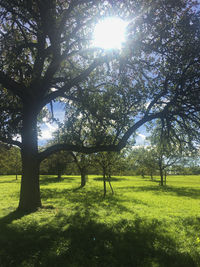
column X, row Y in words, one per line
column 142, row 224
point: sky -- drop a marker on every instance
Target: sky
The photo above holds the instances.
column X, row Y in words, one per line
column 48, row 128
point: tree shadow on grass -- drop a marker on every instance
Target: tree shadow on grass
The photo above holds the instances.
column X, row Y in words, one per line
column 14, row 215
column 112, row 179
column 48, row 180
column 78, row 240
column 179, row 191
column 11, row 181
column 87, row 199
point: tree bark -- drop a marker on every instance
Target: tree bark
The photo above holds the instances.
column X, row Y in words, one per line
column 30, row 190
column 161, row 177
column 83, row 178
column 109, row 181
column 165, row 177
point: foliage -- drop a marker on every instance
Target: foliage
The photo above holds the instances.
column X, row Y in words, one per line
column 57, row 163
column 10, row 160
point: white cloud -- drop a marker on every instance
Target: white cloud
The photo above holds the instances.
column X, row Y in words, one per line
column 141, row 135
column 47, row 130
column 46, row 134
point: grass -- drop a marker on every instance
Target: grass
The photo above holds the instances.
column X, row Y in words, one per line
column 142, row 224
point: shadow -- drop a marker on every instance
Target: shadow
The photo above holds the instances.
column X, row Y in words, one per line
column 12, row 181
column 179, row 191
column 15, row 215
column 48, row 180
column 88, row 199
column 113, row 179
column 78, row 240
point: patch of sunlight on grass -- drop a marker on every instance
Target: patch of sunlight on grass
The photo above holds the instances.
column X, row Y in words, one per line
column 142, row 224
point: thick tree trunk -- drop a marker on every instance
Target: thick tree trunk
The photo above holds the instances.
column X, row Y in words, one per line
column 30, row 190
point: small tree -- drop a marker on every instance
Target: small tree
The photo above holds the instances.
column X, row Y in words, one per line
column 108, row 162
column 142, row 160
column 83, row 162
column 166, row 149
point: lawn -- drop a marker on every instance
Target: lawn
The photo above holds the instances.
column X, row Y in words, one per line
column 142, row 224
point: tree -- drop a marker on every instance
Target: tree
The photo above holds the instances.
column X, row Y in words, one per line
column 10, row 160
column 83, row 162
column 167, row 150
column 46, row 55
column 56, row 164
column 141, row 158
column 108, row 162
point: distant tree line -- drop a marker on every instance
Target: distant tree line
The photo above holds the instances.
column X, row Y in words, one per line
column 141, row 161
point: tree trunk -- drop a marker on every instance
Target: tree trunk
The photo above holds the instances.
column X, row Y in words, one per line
column 165, row 177
column 30, row 190
column 109, row 181
column 83, row 178
column 104, row 183
column 161, row 177
column 142, row 174
column 59, row 175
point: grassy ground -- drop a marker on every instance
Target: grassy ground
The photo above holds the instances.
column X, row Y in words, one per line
column 141, row 225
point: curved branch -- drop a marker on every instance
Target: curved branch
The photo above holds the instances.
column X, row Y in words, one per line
column 10, row 141
column 67, row 147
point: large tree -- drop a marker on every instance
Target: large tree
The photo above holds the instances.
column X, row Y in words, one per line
column 46, row 54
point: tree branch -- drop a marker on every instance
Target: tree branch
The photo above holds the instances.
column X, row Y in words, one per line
column 68, row 147
column 10, row 141
column 11, row 85
column 73, row 82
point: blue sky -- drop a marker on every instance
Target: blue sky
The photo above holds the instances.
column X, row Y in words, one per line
column 47, row 128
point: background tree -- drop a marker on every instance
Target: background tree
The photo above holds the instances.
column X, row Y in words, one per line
column 10, row 160
column 166, row 149
column 142, row 160
column 57, row 163
column 83, row 162
column 108, row 163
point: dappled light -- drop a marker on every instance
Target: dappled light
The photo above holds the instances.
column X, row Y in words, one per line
column 135, row 226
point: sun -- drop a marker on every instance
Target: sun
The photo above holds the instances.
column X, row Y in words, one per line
column 110, row 33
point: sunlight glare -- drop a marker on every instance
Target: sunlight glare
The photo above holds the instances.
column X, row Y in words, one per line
column 110, row 33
